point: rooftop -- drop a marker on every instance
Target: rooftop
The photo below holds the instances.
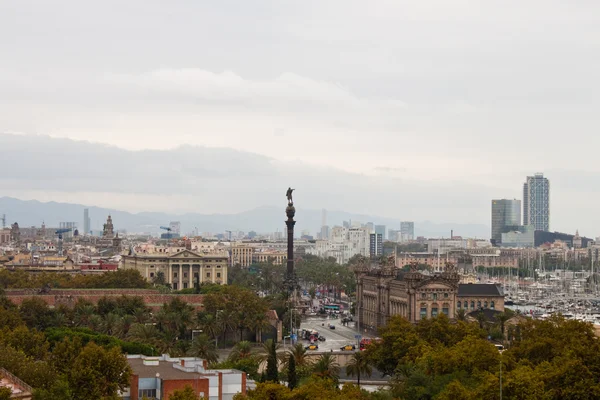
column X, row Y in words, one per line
column 479, row 289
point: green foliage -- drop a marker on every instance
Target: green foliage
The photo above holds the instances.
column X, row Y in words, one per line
column 291, row 372
column 272, row 363
column 186, row 393
column 86, row 335
column 360, row 364
column 120, row 279
column 203, row 347
column 5, row 393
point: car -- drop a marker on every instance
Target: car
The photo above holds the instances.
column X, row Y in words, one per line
column 348, row 347
column 322, row 338
column 313, row 346
column 331, row 326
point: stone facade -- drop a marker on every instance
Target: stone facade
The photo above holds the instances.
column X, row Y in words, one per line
column 385, row 292
column 182, row 269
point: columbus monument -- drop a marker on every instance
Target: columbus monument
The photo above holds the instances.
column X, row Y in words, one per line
column 290, row 276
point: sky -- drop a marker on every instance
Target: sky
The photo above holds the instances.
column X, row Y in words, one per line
column 408, row 109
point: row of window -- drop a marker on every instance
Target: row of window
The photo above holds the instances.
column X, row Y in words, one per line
column 193, row 266
column 465, row 304
column 434, row 312
column 434, row 296
column 185, row 275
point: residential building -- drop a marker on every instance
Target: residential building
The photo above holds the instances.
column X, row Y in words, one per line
column 4, row 235
column 394, row 235
column 158, row 377
column 407, row 231
column 386, row 292
column 506, row 214
column 68, row 225
column 375, row 245
column 443, row 245
column 343, row 243
column 182, row 270
column 536, row 202
column 175, row 227
column 380, row 230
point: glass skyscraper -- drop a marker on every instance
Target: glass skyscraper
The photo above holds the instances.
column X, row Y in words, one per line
column 536, row 202
column 506, row 215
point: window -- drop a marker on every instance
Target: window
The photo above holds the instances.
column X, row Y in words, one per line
column 485, row 304
column 218, row 274
column 149, row 393
column 174, row 274
column 208, row 274
column 175, row 286
column 458, row 304
column 445, row 310
column 435, row 296
column 472, row 305
column 196, row 275
column 445, row 295
column 423, row 312
column 185, row 274
column 423, row 295
column 492, row 305
column 479, row 304
column 434, row 312
column 152, row 266
column 151, row 274
column 185, row 285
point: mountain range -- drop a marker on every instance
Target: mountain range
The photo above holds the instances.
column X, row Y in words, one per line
column 264, row 219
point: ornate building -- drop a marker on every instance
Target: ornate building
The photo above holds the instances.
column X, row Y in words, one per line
column 182, row 270
column 385, row 291
column 108, row 231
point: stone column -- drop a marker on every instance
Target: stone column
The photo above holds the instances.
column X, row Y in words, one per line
column 191, row 277
column 180, row 277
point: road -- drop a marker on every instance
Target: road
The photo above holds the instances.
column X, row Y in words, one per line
column 335, row 338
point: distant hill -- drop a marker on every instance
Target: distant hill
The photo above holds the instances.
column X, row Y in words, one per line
column 261, row 219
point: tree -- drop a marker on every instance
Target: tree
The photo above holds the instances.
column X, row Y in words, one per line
column 272, row 362
column 292, row 378
column 5, row 393
column 502, row 318
column 240, row 351
column 359, row 365
column 204, row 347
column 327, row 367
column 461, row 314
column 99, row 373
column 186, row 393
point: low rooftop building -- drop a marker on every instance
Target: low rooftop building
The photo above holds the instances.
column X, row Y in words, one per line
column 158, row 377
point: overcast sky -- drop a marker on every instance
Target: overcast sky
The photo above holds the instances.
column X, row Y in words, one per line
column 409, row 109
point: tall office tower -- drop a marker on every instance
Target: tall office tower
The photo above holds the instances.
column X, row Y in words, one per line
column 86, row 221
column 536, row 202
column 394, row 235
column 370, row 226
column 506, row 215
column 407, row 231
column 325, row 232
column 375, row 245
column 380, row 230
column 324, row 217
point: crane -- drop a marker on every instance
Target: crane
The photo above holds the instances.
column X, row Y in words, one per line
column 166, row 228
column 59, row 233
column 168, row 234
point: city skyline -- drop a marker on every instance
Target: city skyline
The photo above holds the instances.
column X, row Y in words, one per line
column 352, row 102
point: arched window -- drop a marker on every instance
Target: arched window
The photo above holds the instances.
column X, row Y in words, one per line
column 492, row 305
column 458, row 304
column 479, row 304
column 423, row 313
column 434, row 310
column 485, row 304
column 472, row 305
column 446, row 309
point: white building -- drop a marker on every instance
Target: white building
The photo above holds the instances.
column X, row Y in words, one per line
column 343, row 244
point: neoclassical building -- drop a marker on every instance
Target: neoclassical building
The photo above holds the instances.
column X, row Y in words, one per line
column 181, row 269
column 385, row 291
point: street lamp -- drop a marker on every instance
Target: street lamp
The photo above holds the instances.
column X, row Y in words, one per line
column 158, row 391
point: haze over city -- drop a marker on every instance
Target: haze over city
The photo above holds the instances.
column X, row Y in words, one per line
column 410, row 110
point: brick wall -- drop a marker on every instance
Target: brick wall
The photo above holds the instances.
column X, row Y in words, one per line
column 199, row 385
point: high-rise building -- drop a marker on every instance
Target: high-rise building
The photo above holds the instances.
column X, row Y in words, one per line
column 325, row 232
column 407, row 231
column 175, row 227
column 86, row 221
column 394, row 235
column 380, row 230
column 67, row 225
column 536, row 202
column 506, row 215
column 375, row 245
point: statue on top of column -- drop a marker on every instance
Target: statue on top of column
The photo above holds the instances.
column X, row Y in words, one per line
column 288, row 194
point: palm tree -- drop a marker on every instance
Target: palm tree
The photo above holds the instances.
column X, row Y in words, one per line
column 241, row 350
column 124, row 325
column 110, row 323
column 259, row 322
column 141, row 315
column 326, row 366
column 461, row 314
column 502, row 318
column 481, row 319
column 298, row 352
column 204, row 347
column 83, row 315
column 359, row 365
column 147, row 334
column 267, row 348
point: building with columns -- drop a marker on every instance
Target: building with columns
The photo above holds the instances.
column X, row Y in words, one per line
column 385, row 291
column 183, row 269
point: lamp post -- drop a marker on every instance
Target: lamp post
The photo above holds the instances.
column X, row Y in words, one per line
column 158, row 388
column 501, row 351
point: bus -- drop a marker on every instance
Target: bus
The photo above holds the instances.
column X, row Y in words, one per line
column 331, row 307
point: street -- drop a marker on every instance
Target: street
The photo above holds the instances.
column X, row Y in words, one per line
column 335, row 338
